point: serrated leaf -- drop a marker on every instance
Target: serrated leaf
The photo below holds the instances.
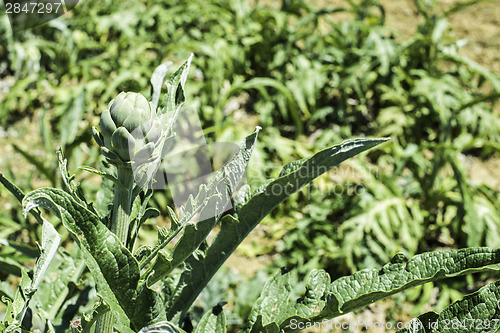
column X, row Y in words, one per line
column 113, row 267
column 235, row 229
column 476, row 312
column 316, row 286
column 48, row 247
column 273, row 307
column 242, row 196
column 353, row 292
column 69, row 180
column 142, row 252
column 367, row 286
column 474, row 67
column 101, row 250
column 64, row 273
column 140, row 213
column 379, row 222
column 481, row 305
column 209, row 202
column 174, row 221
column 297, row 174
column 224, row 181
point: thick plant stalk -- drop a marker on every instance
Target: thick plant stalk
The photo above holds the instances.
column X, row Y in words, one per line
column 122, row 204
column 120, row 222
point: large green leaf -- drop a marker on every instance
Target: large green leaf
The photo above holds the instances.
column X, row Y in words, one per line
column 477, row 312
column 325, row 300
column 295, row 175
column 48, row 247
column 113, row 267
column 251, row 210
column 210, row 201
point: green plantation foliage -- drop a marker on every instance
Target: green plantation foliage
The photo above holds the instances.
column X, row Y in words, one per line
column 297, row 72
column 125, row 277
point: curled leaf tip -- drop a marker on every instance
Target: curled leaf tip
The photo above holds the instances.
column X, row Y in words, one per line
column 28, row 206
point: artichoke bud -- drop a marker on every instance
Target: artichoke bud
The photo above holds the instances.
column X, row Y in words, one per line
column 131, row 130
column 107, row 127
column 123, row 143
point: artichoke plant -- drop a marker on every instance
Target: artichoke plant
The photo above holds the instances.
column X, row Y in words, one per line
column 131, row 131
column 132, row 135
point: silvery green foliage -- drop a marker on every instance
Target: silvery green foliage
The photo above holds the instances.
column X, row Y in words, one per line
column 325, row 299
column 128, row 279
column 128, row 114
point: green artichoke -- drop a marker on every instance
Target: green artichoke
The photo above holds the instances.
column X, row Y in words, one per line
column 131, row 131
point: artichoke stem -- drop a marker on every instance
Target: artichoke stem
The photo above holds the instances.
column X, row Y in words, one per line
column 122, row 204
column 119, row 225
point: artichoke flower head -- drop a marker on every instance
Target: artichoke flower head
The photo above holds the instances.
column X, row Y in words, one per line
column 132, row 134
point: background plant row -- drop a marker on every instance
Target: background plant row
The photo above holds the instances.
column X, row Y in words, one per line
column 309, row 79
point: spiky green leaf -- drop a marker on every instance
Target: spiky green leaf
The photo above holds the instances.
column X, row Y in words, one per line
column 113, row 267
column 477, row 312
column 234, row 229
column 210, row 201
column 325, row 300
